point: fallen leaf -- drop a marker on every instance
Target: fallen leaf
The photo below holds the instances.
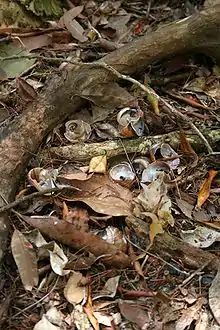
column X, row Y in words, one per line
column 88, row 309
column 189, row 315
column 14, row 67
column 34, row 42
column 26, row 91
column 214, row 297
column 102, row 195
column 203, row 321
column 98, row 164
column 201, row 237
column 107, row 319
column 58, row 259
column 109, row 205
column 80, row 319
column 109, row 289
column 204, row 190
column 72, row 25
column 74, row 291
column 52, row 320
column 134, row 312
column 155, row 227
column 185, row 207
column 26, row 260
column 81, row 176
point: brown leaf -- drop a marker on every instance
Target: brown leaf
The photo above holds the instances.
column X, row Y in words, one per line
column 34, row 42
column 107, row 94
column 26, row 91
column 72, row 25
column 109, row 205
column 187, row 149
column 25, row 258
column 78, row 217
column 88, row 309
column 189, row 315
column 185, row 207
column 103, row 195
column 214, row 297
column 134, row 312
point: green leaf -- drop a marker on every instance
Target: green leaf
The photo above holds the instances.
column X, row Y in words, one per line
column 14, row 67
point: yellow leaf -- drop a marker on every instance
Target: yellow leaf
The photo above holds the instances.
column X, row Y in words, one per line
column 155, row 227
column 154, row 102
column 98, row 164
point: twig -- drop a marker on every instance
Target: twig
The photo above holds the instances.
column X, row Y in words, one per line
column 185, row 118
column 188, row 279
column 153, row 255
column 36, row 302
column 31, row 196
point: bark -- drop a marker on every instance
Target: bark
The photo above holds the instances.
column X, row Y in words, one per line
column 112, row 148
column 61, row 96
column 171, row 248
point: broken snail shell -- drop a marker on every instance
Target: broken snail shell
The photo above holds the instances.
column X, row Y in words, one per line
column 123, row 174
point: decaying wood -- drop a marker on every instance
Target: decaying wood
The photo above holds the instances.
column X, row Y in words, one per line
column 61, row 96
column 66, row 233
column 171, row 248
column 111, row 148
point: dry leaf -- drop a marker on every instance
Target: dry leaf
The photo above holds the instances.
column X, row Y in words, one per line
column 34, row 42
column 201, row 237
column 52, row 320
column 26, row 91
column 190, row 314
column 58, row 259
column 185, row 207
column 72, row 25
column 109, row 205
column 107, row 319
column 80, row 318
column 134, row 312
column 214, row 297
column 74, row 291
column 98, row 164
column 26, row 260
column 88, row 309
column 103, row 195
column 204, row 190
column 155, row 227
column 109, row 289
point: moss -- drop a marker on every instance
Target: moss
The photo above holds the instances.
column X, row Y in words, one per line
column 12, row 13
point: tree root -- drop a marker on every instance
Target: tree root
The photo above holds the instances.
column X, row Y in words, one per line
column 112, row 148
column 63, row 94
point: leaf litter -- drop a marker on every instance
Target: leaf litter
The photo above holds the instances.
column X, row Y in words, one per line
column 108, row 212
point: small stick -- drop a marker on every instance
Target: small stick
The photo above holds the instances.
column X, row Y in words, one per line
column 31, row 196
column 36, row 302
